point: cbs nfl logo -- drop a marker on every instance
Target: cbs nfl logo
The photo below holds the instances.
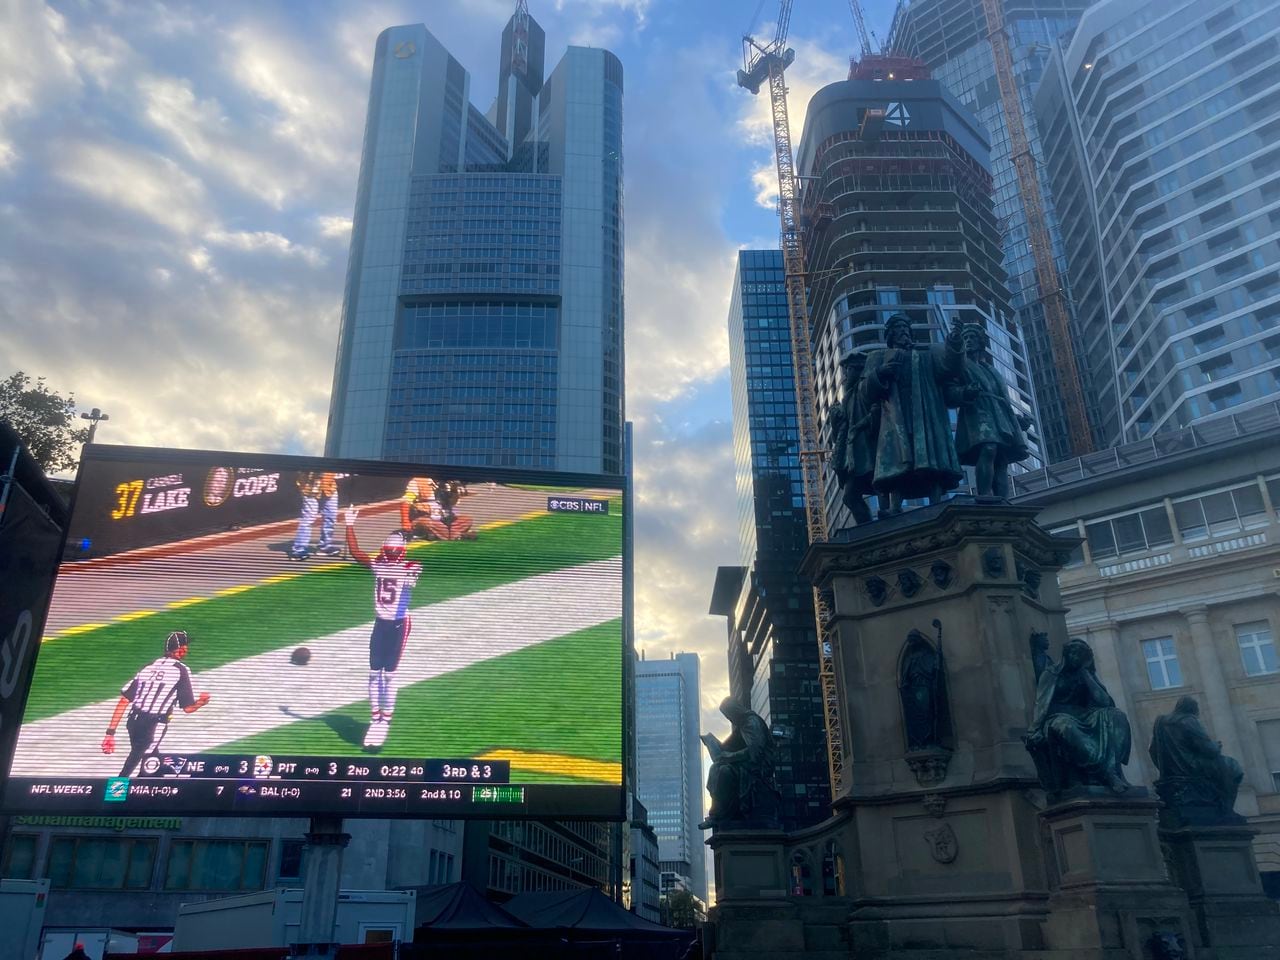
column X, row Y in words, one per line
column 262, row 766
column 151, row 765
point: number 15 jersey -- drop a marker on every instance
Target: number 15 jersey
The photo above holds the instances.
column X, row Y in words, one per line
column 393, row 583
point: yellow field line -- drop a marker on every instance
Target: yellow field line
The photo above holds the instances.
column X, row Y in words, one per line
column 241, row 588
column 135, row 615
column 604, row 771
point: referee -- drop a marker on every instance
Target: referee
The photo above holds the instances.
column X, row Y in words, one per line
column 150, row 698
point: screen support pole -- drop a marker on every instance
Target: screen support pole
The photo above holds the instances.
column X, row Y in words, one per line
column 321, row 883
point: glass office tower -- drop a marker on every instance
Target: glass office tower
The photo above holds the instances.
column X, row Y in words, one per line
column 669, row 763
column 482, row 321
column 773, row 642
column 1161, row 124
column 950, row 36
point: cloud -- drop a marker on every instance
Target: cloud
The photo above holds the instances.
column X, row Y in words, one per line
column 334, row 227
column 264, row 241
column 312, row 109
column 638, row 9
column 201, row 129
column 685, row 528
column 136, row 180
column 35, row 67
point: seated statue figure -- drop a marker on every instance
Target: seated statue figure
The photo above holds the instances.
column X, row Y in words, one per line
column 1198, row 782
column 1078, row 738
column 741, row 781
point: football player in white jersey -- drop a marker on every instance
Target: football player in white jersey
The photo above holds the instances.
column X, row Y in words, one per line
column 394, row 578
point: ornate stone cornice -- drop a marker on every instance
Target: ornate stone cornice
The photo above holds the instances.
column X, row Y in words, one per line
column 936, row 529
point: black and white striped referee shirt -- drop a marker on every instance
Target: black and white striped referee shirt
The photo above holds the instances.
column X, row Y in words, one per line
column 154, row 688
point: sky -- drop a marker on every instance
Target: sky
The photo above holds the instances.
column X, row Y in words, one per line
column 176, row 188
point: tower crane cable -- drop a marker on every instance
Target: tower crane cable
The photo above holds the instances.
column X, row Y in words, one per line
column 763, row 64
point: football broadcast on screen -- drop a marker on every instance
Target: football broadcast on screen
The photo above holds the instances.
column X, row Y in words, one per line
column 235, row 634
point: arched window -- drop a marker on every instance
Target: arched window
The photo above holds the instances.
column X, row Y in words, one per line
column 801, row 875
column 832, row 870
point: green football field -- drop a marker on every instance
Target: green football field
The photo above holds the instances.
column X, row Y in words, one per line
column 552, row 707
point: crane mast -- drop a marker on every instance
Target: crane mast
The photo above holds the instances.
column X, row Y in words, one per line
column 767, row 64
column 1052, row 296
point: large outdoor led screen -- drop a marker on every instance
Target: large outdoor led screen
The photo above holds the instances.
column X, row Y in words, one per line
column 239, row 634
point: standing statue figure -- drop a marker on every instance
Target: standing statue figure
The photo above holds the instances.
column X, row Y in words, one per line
column 915, row 453
column 1078, row 737
column 741, row 781
column 854, row 426
column 989, row 432
column 922, row 689
column 1198, row 782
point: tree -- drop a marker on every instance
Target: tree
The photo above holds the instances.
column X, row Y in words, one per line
column 43, row 419
column 682, row 909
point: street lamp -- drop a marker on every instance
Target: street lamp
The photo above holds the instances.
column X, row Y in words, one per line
column 95, row 416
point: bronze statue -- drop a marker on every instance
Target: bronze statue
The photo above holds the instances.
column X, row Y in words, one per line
column 989, row 432
column 1198, row 782
column 922, row 689
column 1078, row 738
column 915, row 453
column 854, row 425
column 741, row 781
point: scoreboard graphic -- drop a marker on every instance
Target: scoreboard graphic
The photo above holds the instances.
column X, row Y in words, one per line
column 239, row 634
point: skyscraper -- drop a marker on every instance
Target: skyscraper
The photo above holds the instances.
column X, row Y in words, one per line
column 482, row 321
column 950, row 36
column 1161, row 125
column 669, row 763
column 773, row 646
column 899, row 218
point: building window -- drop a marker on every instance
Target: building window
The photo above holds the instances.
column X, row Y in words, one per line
column 101, row 863
column 290, row 860
column 1162, row 663
column 1257, row 648
column 216, row 865
column 19, row 857
column 1269, row 733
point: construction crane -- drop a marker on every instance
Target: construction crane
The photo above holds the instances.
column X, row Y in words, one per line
column 766, row 63
column 1052, row 296
column 866, row 39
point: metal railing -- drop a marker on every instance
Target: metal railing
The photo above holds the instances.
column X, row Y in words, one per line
column 1217, row 430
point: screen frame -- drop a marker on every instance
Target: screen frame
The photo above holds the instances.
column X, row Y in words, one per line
column 120, row 453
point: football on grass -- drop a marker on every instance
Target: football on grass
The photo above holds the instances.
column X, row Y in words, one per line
column 301, row 656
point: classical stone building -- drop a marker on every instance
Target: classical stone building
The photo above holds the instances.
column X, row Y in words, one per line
column 1177, row 589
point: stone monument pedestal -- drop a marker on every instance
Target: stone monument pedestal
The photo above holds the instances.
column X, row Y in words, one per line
column 940, row 845
column 755, row 915
column 1112, row 891
column 1216, row 867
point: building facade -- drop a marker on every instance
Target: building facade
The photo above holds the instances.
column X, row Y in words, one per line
column 897, row 201
column 951, row 38
column 132, row 873
column 1174, row 587
column 482, row 319
column 773, row 646
column 646, row 866
column 669, row 762
column 1160, row 123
